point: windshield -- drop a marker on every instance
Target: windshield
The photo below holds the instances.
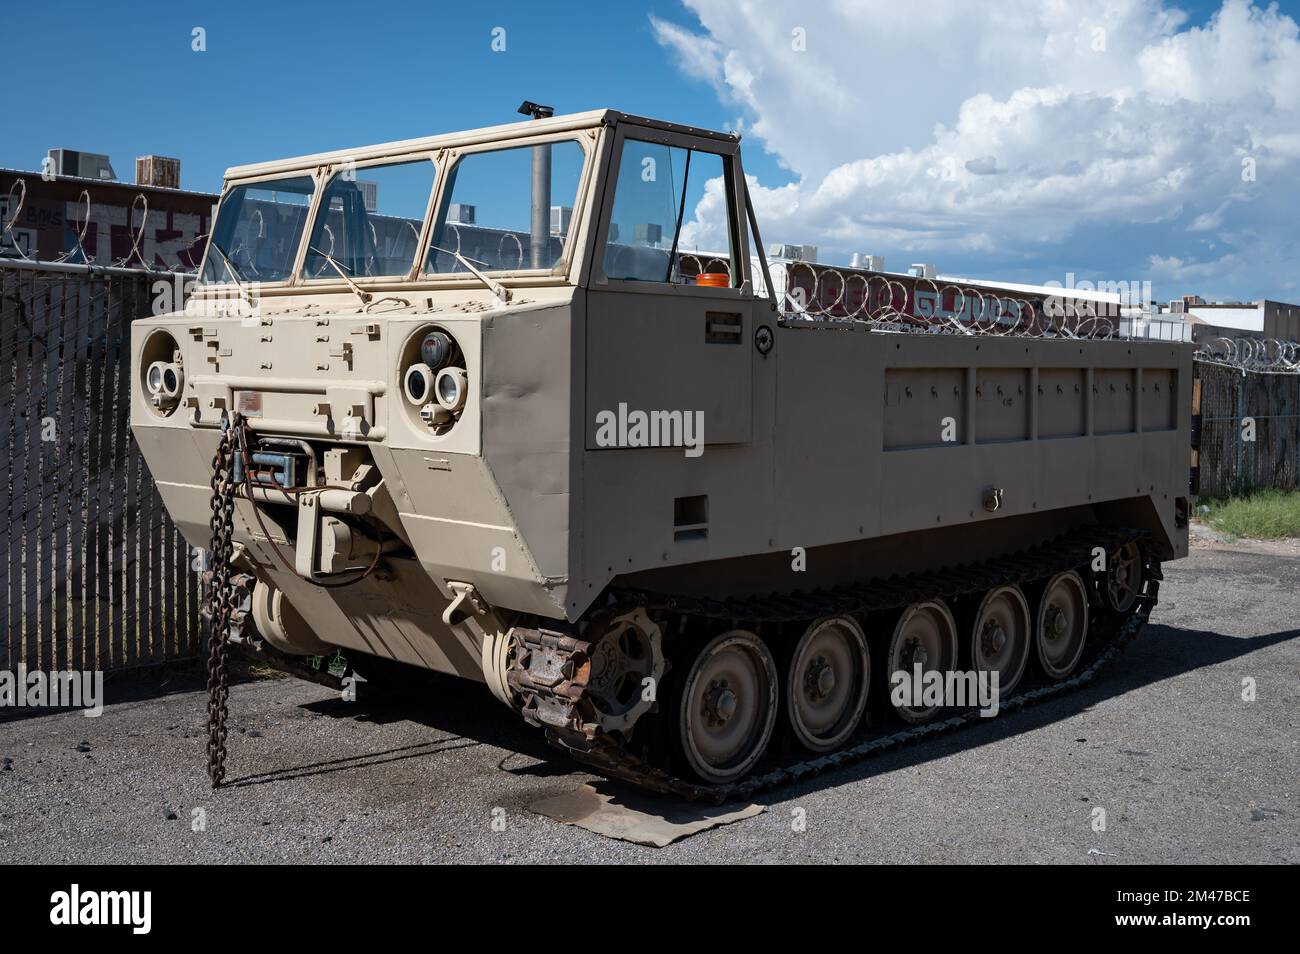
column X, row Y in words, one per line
column 370, row 220
column 258, row 228
column 507, row 209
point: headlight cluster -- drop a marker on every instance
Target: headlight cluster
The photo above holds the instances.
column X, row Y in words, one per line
column 165, row 380
column 162, row 375
column 437, row 384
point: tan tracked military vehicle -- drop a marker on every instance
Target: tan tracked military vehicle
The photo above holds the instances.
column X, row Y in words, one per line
column 519, row 404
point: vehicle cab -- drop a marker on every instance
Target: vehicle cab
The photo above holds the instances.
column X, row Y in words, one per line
column 418, row 337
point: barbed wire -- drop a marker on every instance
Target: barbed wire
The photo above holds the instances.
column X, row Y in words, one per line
column 78, row 254
column 79, row 236
column 7, row 228
column 124, row 261
column 829, row 294
column 826, row 293
column 1259, row 355
column 833, row 295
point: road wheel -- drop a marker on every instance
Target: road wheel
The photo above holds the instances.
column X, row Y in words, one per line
column 1000, row 636
column 1062, row 624
column 926, row 636
column 1122, row 581
column 727, row 707
column 827, row 682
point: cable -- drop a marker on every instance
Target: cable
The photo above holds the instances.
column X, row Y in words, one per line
column 241, row 435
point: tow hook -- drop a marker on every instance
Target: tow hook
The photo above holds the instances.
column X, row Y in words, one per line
column 465, row 601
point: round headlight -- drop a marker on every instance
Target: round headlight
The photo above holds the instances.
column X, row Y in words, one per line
column 435, row 349
column 451, row 387
column 418, row 384
column 154, row 377
column 172, row 379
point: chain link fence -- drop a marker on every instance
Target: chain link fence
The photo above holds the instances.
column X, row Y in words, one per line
column 1250, row 430
column 95, row 575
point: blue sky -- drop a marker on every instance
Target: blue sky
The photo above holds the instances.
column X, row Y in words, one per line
column 851, row 142
column 284, row 79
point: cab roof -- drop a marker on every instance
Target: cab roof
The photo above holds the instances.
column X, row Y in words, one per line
column 527, row 127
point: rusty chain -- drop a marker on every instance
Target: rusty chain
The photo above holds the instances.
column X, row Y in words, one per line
column 222, row 595
column 228, row 591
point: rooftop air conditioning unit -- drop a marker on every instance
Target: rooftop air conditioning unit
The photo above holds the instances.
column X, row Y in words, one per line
column 561, row 217
column 460, row 214
column 921, row 270
column 87, row 165
column 647, row 233
column 158, row 171
column 872, row 263
column 369, row 194
column 795, row 253
column 1176, row 306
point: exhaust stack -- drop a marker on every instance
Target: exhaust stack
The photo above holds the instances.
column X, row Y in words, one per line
column 539, row 240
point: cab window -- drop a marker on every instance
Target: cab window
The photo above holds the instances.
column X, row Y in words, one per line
column 496, row 216
column 258, row 230
column 369, row 221
column 670, row 220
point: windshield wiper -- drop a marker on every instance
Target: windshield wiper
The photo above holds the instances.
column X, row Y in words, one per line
column 365, row 296
column 495, row 288
column 234, row 273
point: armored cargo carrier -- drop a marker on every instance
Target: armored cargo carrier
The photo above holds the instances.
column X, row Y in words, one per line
column 480, row 403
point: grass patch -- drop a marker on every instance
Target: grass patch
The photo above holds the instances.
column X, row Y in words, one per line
column 1264, row 515
column 266, row 672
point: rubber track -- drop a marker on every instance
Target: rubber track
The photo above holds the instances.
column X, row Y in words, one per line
column 607, row 756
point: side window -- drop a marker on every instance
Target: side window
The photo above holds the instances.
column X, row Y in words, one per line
column 667, row 198
column 370, row 220
column 488, row 212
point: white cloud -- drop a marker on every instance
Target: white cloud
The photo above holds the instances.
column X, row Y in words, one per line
column 983, row 166
column 1208, row 221
column 1088, row 134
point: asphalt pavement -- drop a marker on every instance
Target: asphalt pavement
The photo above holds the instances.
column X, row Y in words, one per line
column 1182, row 768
